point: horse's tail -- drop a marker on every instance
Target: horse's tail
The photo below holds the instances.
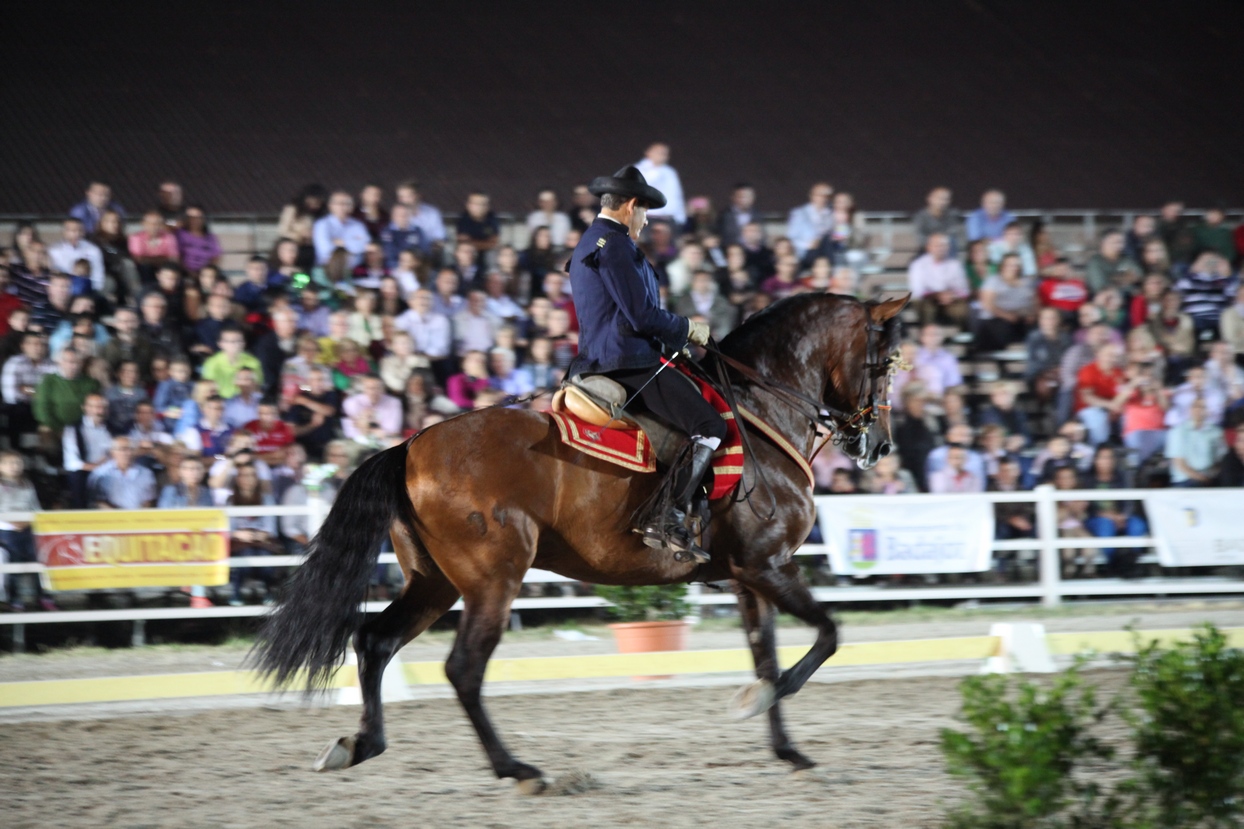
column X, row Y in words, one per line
column 318, row 610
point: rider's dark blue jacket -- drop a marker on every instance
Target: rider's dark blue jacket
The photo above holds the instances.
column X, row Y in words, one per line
column 621, row 321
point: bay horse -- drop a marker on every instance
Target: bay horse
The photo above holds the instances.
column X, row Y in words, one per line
column 473, row 502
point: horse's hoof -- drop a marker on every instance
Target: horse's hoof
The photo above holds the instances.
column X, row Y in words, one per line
column 753, row 699
column 530, row 786
column 339, row 754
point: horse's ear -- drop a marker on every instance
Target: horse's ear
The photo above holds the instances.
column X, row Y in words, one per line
column 888, row 309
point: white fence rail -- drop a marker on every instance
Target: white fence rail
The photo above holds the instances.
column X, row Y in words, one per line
column 1050, row 588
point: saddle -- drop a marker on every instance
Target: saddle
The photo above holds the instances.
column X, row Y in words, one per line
column 595, row 399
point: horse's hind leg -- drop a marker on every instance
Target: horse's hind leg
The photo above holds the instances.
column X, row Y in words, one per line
column 485, row 614
column 425, row 598
column 757, row 614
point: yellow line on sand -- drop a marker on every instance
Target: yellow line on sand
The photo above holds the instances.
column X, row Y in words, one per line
column 221, row 683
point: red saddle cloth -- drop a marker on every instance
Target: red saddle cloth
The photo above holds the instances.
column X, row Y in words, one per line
column 631, row 449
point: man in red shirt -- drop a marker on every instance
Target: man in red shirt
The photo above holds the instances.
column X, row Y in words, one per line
column 1102, row 388
column 271, row 433
column 1062, row 289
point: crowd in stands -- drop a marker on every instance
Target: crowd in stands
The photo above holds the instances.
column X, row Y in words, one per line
column 137, row 373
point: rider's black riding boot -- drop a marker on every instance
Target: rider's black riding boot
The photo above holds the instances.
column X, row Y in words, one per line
column 671, row 529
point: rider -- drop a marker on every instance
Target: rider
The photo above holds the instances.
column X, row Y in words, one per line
column 623, row 331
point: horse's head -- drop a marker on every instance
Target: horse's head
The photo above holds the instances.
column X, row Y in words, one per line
column 858, row 394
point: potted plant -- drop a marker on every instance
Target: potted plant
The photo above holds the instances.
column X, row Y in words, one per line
column 650, row 617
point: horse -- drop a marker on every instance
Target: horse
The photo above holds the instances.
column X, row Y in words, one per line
column 473, row 502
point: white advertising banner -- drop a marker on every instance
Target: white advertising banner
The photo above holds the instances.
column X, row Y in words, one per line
column 1197, row 527
column 904, row 535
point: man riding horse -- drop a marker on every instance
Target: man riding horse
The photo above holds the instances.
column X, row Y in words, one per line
column 624, row 332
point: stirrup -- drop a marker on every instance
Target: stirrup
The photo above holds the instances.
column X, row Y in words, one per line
column 678, row 539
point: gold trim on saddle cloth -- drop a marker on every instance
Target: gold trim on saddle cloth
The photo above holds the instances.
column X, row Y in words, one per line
column 783, row 443
column 641, row 460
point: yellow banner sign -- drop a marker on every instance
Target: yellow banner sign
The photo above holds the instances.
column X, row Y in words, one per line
column 94, row 550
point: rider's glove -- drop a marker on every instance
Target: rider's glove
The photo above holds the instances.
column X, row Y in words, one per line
column 698, row 332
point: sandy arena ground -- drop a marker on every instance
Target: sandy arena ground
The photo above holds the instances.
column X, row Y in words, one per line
column 660, row 755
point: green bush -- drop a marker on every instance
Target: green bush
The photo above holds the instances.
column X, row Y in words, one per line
column 1020, row 750
column 646, row 603
column 1188, row 727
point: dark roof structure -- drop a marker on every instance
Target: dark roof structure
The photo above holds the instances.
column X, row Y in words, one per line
column 1108, row 104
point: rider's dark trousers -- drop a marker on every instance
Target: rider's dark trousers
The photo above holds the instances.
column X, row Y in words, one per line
column 673, row 398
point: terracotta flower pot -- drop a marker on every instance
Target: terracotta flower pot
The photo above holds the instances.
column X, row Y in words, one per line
column 651, row 637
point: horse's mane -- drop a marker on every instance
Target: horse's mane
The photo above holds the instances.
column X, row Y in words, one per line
column 771, row 325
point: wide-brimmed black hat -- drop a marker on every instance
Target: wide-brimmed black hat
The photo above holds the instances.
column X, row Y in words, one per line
column 628, row 182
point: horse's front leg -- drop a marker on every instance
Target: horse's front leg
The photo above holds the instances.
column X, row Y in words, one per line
column 783, row 586
column 757, row 614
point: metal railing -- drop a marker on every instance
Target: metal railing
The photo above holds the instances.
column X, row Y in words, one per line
column 1049, row 588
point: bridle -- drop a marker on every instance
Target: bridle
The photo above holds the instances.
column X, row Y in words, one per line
column 873, row 396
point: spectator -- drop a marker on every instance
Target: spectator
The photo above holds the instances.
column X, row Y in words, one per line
column 162, row 335
column 1001, row 411
column 298, row 218
column 740, row 213
column 429, row 329
column 1102, row 388
column 977, row 267
column 548, row 214
column 1045, row 347
column 1155, row 259
column 21, row 376
column 370, row 211
column 119, row 483
column 1231, row 324
column 584, row 207
column 844, row 281
column 339, row 229
column 847, row 241
column 705, row 301
column 1013, row 243
column 1062, row 290
column 243, row 406
column 208, row 330
column 1212, row 235
column 474, row 328
column 1071, row 516
column 842, row 482
column 351, row 363
column 91, row 209
column 1109, row 518
column 889, row 478
column 252, row 292
column 426, row 217
column 1174, row 332
column 312, row 316
column 468, row 264
column 125, row 344
column 188, row 490
column 1231, row 472
column 369, row 272
column 275, row 347
column 506, row 377
column 478, row 225
column 395, row 367
column 409, row 273
column 659, row 174
column 401, row 234
column 313, row 412
column 1223, row 375
column 1110, row 301
column 938, row 284
column 499, row 302
column 1147, row 303
column 53, row 307
column 989, row 220
column 1208, row 288
column 1194, row 448
column 84, row 446
column 1196, row 387
column 955, row 477
column 785, row 281
column 154, row 246
column 123, row 398
column 373, row 416
column 1144, row 413
column 1007, row 307
column 173, row 393
column 1109, row 266
column 223, row 367
column 809, row 225
column 272, row 436
column 198, row 245
column 1144, row 230
column 60, row 396
column 9, row 302
column 938, row 216
column 250, row 536
column 464, row 387
column 544, row 372
column 933, row 365
column 17, row 494
column 149, row 438
column 210, row 435
column 73, row 248
column 288, row 471
column 956, row 434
